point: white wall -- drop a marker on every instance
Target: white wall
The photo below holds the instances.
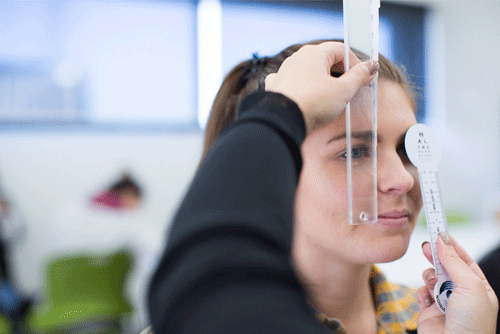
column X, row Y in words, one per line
column 44, row 172
column 464, row 108
column 464, row 86
column 472, row 32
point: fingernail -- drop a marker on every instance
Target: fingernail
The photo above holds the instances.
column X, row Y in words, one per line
column 423, row 243
column 446, row 239
column 428, row 300
column 372, row 67
column 429, row 275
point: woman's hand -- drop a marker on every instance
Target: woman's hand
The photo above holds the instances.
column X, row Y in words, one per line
column 473, row 305
column 305, row 77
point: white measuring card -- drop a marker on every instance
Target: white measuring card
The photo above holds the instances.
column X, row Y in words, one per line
column 361, row 24
column 424, row 151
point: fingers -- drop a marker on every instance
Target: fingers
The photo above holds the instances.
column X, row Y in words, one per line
column 356, row 78
column 473, row 303
column 359, row 74
column 475, row 269
column 462, row 254
column 305, row 77
column 463, row 270
column 430, row 278
column 424, row 298
column 335, row 54
column 425, row 294
column 427, row 250
column 336, row 51
column 467, row 259
column 457, row 268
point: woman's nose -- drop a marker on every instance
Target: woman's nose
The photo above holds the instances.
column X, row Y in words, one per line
column 393, row 175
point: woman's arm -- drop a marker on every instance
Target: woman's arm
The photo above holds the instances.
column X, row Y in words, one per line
column 226, row 268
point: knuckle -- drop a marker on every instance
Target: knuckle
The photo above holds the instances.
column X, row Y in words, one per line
column 307, row 47
column 476, row 283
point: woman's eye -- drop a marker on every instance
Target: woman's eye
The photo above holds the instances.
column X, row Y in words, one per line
column 359, row 152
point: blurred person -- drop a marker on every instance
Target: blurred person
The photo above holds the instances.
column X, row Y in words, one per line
column 124, row 194
column 261, row 242
column 112, row 219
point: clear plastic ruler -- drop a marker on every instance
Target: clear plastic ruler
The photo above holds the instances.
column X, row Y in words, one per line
column 424, row 151
column 361, row 23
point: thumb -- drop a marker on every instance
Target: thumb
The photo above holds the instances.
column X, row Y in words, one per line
column 454, row 265
column 356, row 78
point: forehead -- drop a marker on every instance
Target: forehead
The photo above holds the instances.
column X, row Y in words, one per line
column 394, row 104
column 395, row 114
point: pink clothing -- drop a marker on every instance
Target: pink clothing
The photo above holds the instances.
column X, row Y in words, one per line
column 108, row 200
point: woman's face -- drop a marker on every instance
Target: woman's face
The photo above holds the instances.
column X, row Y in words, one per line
column 321, row 202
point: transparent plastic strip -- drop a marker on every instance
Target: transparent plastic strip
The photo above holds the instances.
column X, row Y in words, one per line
column 361, row 22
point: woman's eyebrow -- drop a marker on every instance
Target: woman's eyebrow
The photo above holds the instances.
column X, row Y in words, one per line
column 363, row 135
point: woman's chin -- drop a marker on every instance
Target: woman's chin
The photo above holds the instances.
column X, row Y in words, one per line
column 390, row 251
column 390, row 258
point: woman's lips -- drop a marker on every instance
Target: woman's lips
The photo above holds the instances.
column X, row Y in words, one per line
column 394, row 219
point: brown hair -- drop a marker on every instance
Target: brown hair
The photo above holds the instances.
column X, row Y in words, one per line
column 249, row 76
column 126, row 183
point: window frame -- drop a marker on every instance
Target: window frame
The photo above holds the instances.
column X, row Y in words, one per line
column 408, row 52
column 408, row 39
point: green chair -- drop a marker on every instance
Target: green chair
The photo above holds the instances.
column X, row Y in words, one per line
column 454, row 217
column 5, row 325
column 84, row 294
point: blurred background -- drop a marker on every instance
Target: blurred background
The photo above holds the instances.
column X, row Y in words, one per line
column 101, row 96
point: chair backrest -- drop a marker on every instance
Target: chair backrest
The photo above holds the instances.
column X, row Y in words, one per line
column 90, row 278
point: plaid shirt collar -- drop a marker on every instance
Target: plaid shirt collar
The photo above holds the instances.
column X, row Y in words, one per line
column 396, row 307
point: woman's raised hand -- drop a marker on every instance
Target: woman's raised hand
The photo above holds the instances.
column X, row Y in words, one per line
column 473, row 305
column 305, row 77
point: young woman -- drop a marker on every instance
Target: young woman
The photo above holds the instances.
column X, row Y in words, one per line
column 261, row 241
column 334, row 260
